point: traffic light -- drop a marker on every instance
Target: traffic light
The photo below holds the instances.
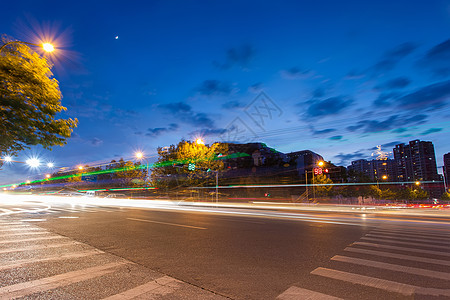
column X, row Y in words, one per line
column 191, row 167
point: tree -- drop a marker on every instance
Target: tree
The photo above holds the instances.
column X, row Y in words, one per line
column 187, row 164
column 30, row 99
column 130, row 173
column 323, row 190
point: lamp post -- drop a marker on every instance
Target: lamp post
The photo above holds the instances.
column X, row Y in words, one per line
column 140, row 156
column 320, row 164
column 46, row 46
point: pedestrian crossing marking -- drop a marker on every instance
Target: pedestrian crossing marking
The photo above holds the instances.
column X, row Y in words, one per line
column 402, row 248
column 403, row 238
column 399, row 256
column 393, row 241
column 296, row 293
column 392, row 267
column 40, row 285
column 147, row 289
column 21, row 262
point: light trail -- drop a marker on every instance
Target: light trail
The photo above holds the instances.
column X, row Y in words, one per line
column 124, row 169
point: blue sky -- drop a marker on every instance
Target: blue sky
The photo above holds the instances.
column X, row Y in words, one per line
column 335, row 77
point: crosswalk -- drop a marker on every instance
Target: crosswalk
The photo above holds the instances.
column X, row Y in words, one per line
column 401, row 261
column 39, row 264
column 52, row 210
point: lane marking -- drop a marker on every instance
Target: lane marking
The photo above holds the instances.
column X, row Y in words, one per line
column 21, row 262
column 295, row 292
column 399, row 256
column 45, row 284
column 392, row 267
column 387, row 240
column 33, row 220
column 147, row 289
column 39, row 247
column 10, row 241
column 402, row 248
column 12, row 223
column 65, row 217
column 382, row 284
column 402, row 238
column 164, row 223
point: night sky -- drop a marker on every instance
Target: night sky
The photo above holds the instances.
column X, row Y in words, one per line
column 334, row 77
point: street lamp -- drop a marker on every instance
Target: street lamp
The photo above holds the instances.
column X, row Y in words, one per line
column 139, row 155
column 199, row 141
column 320, row 164
column 33, row 162
column 46, row 46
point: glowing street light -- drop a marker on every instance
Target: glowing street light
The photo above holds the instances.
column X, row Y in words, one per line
column 46, row 46
column 33, row 162
column 80, row 168
column 50, row 165
column 139, row 155
column 320, row 163
column 28, row 182
column 417, row 182
column 199, row 141
column 8, row 159
column 47, row 176
column 384, row 177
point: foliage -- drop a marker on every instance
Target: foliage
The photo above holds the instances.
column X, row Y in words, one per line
column 171, row 169
column 30, row 99
column 325, row 190
column 445, row 196
column 128, row 176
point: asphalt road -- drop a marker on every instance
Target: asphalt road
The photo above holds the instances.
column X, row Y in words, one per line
column 251, row 254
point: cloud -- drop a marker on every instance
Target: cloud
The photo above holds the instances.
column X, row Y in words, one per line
column 154, row 132
column 390, row 59
column 354, row 74
column 322, row 132
column 393, row 84
column 256, row 88
column 335, row 138
column 430, row 97
column 215, row 88
column 370, row 126
column 385, row 98
column 400, row 130
column 233, row 105
column 96, row 142
column 185, row 113
column 295, row 73
column 319, row 92
column 330, row 106
column 346, row 159
column 208, row 132
column 238, row 56
column 437, row 59
column 431, row 130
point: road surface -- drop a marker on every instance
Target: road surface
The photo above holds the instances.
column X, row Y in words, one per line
column 73, row 250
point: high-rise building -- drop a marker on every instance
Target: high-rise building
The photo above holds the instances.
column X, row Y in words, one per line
column 416, row 161
column 374, row 170
column 447, row 171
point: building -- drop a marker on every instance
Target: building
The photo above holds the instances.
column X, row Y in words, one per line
column 416, row 161
column 447, row 171
column 373, row 170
